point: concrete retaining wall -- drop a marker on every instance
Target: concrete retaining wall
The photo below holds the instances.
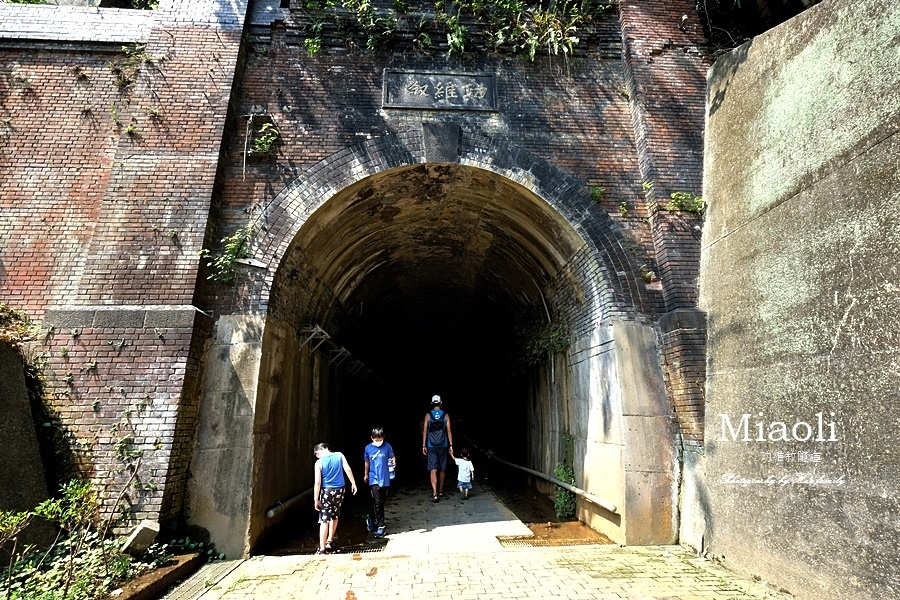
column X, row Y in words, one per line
column 610, row 396
column 799, row 278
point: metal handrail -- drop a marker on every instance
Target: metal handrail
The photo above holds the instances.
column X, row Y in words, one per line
column 281, row 506
column 605, row 504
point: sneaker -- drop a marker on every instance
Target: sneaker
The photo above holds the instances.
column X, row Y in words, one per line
column 320, row 551
column 370, row 524
column 435, row 499
column 328, row 547
column 379, row 533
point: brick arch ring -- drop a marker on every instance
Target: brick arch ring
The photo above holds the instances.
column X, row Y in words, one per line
column 614, row 273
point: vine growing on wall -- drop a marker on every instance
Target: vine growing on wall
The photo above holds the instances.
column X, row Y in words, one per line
column 565, row 502
column 539, row 339
column 235, row 247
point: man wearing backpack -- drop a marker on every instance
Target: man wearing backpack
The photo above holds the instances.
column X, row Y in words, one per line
column 437, row 438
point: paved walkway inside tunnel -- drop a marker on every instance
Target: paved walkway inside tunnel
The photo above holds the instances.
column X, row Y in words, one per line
column 450, row 550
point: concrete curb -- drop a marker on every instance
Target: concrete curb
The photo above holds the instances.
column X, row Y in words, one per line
column 153, row 585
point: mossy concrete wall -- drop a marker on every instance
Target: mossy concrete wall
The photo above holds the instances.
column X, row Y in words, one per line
column 612, row 401
column 799, row 277
column 22, row 483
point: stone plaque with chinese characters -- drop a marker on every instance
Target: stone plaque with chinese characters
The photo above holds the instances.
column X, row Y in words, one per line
column 439, row 91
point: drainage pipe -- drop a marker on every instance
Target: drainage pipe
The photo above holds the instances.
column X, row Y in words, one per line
column 577, row 491
column 282, row 506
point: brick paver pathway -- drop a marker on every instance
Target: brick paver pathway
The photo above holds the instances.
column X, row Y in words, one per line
column 449, row 551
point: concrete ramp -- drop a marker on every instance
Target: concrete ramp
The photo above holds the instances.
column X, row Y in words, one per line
column 417, row 526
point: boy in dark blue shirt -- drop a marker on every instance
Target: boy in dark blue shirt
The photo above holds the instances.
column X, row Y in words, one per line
column 380, row 463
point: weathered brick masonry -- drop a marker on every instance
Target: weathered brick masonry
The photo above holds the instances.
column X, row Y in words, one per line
column 665, row 66
column 109, row 159
column 107, row 187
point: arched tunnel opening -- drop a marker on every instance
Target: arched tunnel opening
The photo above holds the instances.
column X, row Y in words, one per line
column 442, row 279
column 436, row 278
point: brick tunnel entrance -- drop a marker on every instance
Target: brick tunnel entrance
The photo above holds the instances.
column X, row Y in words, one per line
column 494, row 285
column 436, row 278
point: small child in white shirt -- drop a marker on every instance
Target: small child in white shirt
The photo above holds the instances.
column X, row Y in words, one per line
column 466, row 469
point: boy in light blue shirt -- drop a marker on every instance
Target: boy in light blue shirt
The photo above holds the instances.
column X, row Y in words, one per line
column 328, row 492
column 379, row 466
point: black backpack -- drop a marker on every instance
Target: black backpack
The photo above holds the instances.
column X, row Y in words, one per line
column 437, row 431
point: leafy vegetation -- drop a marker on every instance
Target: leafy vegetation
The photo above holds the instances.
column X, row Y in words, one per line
column 81, row 563
column 266, row 138
column 504, row 25
column 565, row 502
column 538, row 339
column 686, row 202
column 236, row 246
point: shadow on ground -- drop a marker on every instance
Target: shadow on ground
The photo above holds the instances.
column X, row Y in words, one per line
column 298, row 534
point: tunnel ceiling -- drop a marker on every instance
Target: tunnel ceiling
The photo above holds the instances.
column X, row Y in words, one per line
column 428, row 252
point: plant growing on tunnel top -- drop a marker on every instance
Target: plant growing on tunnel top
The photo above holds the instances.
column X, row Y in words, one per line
column 313, row 45
column 598, row 193
column 686, row 202
column 504, row 25
column 551, row 29
column 456, row 35
column 314, row 38
column 236, row 246
column 378, row 28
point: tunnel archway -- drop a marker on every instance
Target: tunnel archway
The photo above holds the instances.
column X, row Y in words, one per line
column 437, row 258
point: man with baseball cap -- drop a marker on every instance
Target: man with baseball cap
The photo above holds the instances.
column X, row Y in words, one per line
column 437, row 438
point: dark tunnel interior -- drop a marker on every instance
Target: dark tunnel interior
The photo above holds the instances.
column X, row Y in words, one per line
column 433, row 275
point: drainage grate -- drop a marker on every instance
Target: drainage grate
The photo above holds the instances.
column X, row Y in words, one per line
column 355, row 549
column 525, row 541
column 209, row 575
column 363, row 548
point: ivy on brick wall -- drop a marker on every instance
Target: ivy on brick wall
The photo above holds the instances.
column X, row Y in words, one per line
column 506, row 25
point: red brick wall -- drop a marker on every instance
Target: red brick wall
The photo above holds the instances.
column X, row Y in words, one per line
column 573, row 115
column 108, row 161
column 665, row 65
column 118, row 390
column 57, row 145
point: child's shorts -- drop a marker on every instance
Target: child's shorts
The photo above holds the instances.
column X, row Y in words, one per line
column 330, row 504
column 464, row 485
